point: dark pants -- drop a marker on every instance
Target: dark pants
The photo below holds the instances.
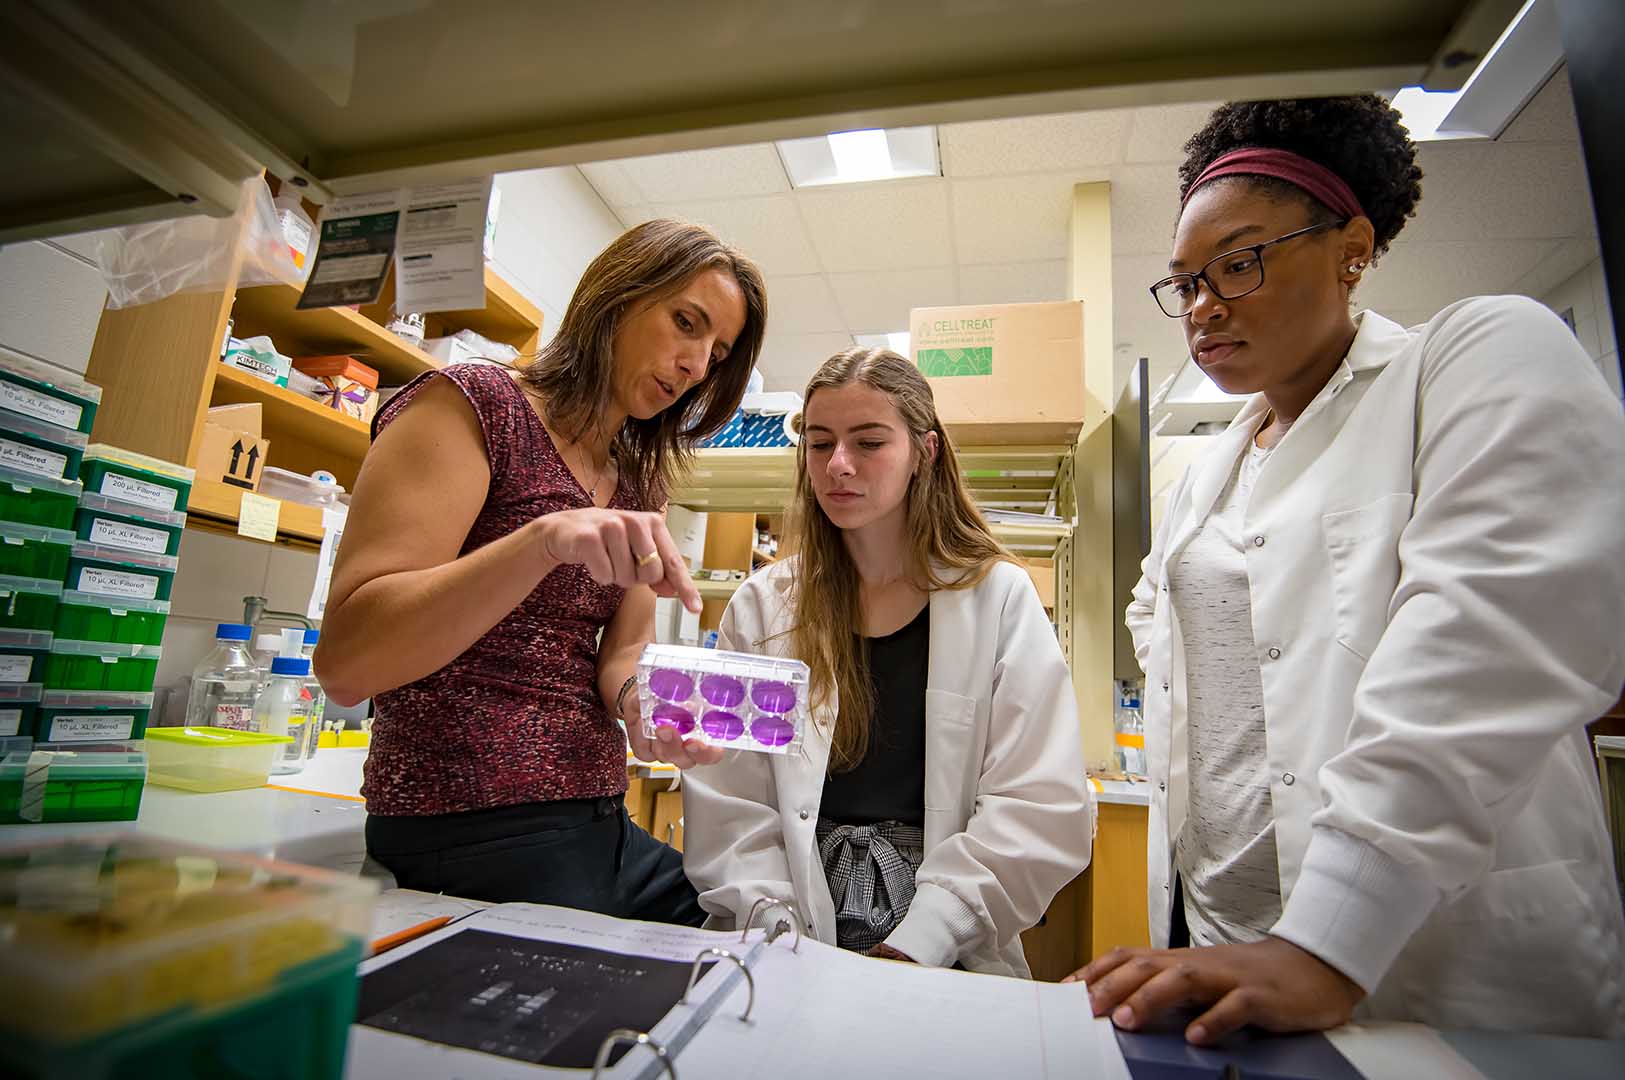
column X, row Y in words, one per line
column 1179, row 933
column 578, row 853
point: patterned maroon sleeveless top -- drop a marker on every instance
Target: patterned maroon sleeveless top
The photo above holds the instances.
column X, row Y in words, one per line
column 516, row 718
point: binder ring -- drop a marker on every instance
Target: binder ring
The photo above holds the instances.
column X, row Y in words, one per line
column 636, row 1038
column 750, row 980
column 771, row 902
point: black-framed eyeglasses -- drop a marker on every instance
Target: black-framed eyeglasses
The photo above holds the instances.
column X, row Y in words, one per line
column 1240, row 271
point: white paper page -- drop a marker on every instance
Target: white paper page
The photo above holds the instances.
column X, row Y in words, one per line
column 401, row 909
column 826, row 1013
column 440, row 259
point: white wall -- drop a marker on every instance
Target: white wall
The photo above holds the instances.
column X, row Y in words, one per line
column 50, row 299
column 1586, row 293
column 550, row 225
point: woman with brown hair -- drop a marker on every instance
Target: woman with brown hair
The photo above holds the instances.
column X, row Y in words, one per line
column 498, row 575
column 938, row 802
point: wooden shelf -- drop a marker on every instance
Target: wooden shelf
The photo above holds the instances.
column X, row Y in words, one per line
column 293, row 415
column 271, row 310
column 1004, row 477
column 507, row 316
column 717, row 590
column 216, row 504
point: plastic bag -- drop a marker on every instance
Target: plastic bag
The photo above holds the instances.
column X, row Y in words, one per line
column 143, row 263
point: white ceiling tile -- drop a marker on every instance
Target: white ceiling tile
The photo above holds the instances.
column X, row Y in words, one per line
column 789, row 360
column 1566, row 258
column 1549, row 115
column 695, row 175
column 879, row 303
column 768, row 229
column 1428, row 276
column 1033, row 143
column 802, row 305
column 1159, row 134
column 1015, row 219
column 612, row 183
column 1482, row 190
column 1145, row 209
column 892, row 225
column 1013, row 283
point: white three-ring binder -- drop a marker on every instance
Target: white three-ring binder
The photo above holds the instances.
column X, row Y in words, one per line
column 764, row 1001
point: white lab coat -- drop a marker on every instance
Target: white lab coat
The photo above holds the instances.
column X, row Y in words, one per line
column 1436, row 559
column 1008, row 816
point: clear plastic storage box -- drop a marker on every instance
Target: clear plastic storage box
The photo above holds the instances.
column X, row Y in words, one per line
column 130, row 957
column 211, row 758
column 64, row 783
column 39, row 449
column 19, row 709
column 91, row 716
column 101, row 665
column 92, row 617
column 136, row 478
column 28, row 603
column 23, row 655
column 34, row 551
column 46, row 393
column 35, row 500
column 117, row 573
column 115, row 524
column 738, row 700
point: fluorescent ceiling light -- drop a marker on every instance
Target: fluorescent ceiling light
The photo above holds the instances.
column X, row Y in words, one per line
column 850, row 157
column 897, row 341
column 861, row 155
column 1514, row 70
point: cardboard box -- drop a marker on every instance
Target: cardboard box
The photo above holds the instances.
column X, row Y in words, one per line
column 1042, row 571
column 1004, row 373
column 232, row 451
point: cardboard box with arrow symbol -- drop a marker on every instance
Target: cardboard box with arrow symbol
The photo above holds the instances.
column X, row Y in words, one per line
column 232, row 451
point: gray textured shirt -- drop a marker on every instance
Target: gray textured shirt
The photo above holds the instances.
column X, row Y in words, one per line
column 1226, row 852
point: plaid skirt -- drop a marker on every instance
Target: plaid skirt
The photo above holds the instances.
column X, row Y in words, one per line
column 870, row 870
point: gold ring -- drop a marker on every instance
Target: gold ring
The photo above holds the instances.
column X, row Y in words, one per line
column 645, row 560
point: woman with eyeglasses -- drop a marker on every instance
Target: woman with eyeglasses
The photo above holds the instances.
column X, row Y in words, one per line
column 1375, row 620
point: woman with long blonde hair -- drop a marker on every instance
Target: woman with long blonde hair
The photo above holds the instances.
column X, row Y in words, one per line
column 938, row 803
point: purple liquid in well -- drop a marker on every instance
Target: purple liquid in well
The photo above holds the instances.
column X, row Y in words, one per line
column 671, row 684
column 773, row 697
column 723, row 691
column 772, row 730
column 722, row 726
column 673, row 717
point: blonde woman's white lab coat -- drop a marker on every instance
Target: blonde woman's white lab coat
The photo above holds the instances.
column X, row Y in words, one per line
column 1008, row 815
column 1436, row 556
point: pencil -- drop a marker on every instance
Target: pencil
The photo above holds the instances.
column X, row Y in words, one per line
column 401, row 937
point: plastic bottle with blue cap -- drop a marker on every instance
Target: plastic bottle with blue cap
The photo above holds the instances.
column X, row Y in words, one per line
column 284, row 705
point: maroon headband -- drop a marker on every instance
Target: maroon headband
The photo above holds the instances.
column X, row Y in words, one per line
column 1295, row 169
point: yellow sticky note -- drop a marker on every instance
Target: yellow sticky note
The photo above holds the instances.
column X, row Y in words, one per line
column 258, row 517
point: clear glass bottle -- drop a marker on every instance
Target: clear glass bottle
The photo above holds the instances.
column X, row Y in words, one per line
column 226, row 684
column 283, row 709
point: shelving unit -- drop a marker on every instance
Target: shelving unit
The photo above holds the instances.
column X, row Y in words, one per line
column 216, row 506
column 1002, row 477
column 158, row 365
